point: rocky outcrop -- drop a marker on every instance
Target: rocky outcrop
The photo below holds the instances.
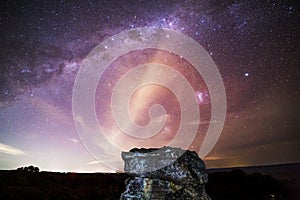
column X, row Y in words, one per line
column 166, row 173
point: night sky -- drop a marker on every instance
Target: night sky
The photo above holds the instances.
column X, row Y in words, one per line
column 254, row 44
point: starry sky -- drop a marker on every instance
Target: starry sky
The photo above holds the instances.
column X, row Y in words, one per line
column 253, row 43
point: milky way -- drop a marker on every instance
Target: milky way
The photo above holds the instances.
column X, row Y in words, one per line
column 254, row 44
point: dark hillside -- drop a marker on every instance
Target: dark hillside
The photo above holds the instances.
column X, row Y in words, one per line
column 280, row 182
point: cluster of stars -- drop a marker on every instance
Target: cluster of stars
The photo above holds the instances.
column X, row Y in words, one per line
column 254, row 45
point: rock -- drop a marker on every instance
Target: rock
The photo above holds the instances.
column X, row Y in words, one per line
column 163, row 174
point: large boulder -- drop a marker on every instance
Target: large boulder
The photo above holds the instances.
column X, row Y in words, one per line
column 166, row 173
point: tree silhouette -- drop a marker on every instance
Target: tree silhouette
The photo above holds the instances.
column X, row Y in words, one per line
column 30, row 168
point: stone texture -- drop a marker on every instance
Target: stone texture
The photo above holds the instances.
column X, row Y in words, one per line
column 166, row 173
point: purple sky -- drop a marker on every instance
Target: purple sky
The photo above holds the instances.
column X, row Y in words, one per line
column 254, row 45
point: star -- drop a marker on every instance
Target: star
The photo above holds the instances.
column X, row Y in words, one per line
column 254, row 45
